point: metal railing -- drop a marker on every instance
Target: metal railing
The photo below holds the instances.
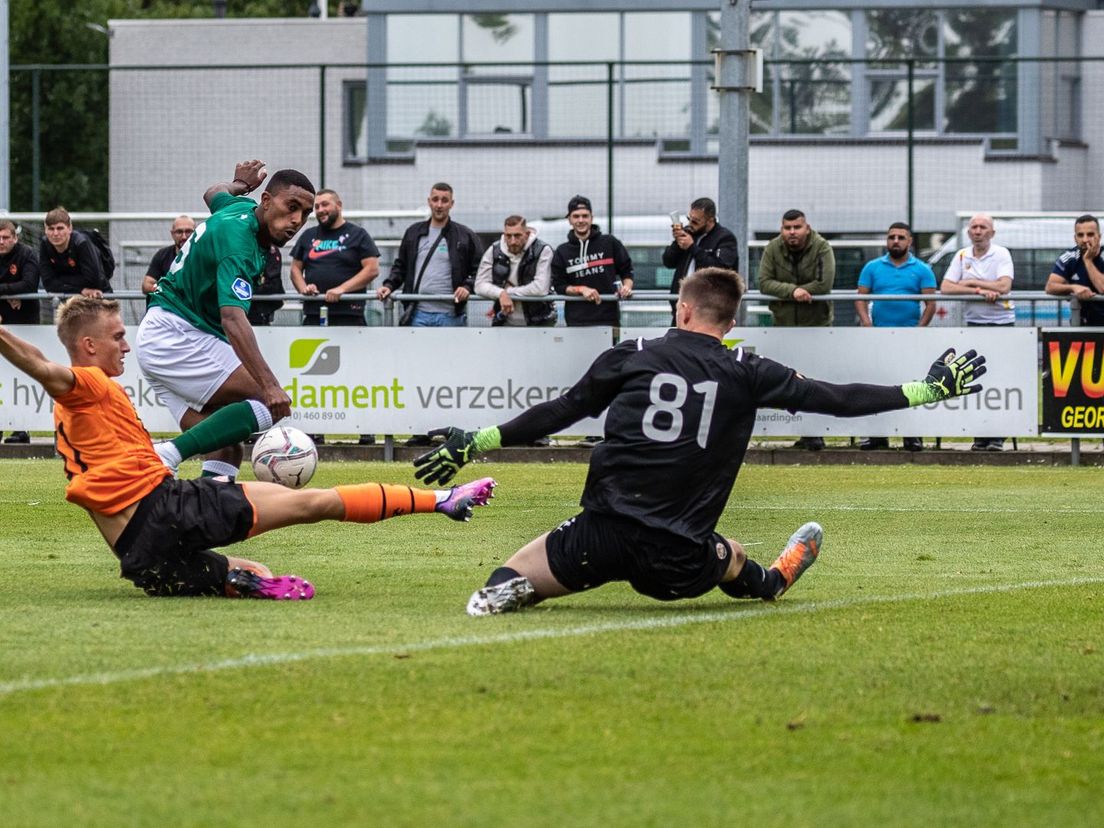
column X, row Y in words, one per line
column 652, row 302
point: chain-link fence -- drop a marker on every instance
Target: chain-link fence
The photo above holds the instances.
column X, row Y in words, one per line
column 856, row 144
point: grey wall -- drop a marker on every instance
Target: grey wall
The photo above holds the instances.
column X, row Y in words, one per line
column 174, row 132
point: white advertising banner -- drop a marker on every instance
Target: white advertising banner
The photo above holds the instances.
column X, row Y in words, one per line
column 1008, row 405
column 366, row 380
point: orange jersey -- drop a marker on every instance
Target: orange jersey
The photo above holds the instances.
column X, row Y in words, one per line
column 109, row 457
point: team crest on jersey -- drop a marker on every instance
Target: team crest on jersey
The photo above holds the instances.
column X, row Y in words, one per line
column 722, row 551
column 242, row 289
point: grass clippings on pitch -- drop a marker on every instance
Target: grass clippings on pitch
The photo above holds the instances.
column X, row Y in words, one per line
column 940, row 664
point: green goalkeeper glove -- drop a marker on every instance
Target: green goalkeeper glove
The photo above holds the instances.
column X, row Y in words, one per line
column 949, row 376
column 460, row 448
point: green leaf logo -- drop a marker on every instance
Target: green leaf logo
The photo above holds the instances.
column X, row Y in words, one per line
column 302, row 350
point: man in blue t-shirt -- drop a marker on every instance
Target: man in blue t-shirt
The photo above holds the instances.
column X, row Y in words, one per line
column 1080, row 270
column 901, row 273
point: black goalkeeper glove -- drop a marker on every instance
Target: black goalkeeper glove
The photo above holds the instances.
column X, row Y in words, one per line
column 949, row 376
column 439, row 465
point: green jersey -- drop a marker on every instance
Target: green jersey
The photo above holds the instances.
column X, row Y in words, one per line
column 216, row 267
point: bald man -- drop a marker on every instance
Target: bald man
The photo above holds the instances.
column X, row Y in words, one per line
column 162, row 260
column 983, row 269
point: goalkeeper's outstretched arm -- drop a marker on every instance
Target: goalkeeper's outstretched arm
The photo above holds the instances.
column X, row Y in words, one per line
column 461, row 447
column 950, row 375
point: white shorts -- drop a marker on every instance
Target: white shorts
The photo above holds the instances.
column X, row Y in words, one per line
column 185, row 365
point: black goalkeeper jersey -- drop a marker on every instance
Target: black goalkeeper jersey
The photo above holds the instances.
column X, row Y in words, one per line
column 681, row 412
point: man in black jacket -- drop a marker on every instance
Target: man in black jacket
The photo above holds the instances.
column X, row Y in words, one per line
column 590, row 264
column 437, row 256
column 701, row 242
column 68, row 261
column 18, row 274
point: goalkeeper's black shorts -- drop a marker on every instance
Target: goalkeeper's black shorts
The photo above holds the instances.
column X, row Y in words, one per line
column 166, row 547
column 592, row 549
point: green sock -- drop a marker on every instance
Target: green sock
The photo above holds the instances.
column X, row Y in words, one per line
column 229, row 425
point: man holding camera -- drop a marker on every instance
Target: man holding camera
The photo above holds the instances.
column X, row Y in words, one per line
column 701, row 242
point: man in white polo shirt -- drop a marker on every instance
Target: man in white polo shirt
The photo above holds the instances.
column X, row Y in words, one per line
column 984, row 269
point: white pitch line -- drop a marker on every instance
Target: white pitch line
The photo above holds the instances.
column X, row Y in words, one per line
column 456, row 642
column 844, row 507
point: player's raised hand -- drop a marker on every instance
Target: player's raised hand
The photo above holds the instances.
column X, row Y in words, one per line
column 251, row 173
column 950, row 375
column 440, row 464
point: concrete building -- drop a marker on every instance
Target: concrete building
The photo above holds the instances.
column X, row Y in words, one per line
column 517, row 109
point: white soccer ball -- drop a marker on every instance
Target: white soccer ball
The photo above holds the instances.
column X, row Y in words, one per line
column 286, row 456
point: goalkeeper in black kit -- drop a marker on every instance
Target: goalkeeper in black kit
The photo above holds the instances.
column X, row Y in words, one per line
column 681, row 413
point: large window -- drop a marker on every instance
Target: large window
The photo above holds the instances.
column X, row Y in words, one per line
column 421, row 98
column 805, row 92
column 656, row 96
column 829, row 72
column 893, row 35
column 578, row 95
column 813, row 93
column 496, row 99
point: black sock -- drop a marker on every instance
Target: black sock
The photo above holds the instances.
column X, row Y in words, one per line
column 754, row 581
column 501, row 576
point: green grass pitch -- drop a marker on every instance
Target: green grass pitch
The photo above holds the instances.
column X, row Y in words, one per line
column 942, row 664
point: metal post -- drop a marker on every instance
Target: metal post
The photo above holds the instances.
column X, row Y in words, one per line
column 792, row 85
column 732, row 167
column 375, row 109
column 609, row 145
column 5, row 110
column 321, row 126
column 539, row 124
column 1075, row 451
column 36, row 135
column 911, row 136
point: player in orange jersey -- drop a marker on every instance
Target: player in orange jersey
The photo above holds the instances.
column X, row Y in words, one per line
column 162, row 529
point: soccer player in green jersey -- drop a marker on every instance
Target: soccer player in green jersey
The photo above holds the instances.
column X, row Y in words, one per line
column 195, row 344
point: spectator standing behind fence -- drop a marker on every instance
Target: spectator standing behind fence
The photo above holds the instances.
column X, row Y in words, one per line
column 68, row 261
column 18, row 274
column 331, row 259
column 897, row 272
column 701, row 242
column 1078, row 272
column 798, row 264
column 589, row 264
column 438, row 256
column 334, row 258
column 983, row 269
column 518, row 264
column 270, row 282
column 182, row 228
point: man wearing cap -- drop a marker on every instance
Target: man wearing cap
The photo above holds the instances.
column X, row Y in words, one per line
column 590, row 264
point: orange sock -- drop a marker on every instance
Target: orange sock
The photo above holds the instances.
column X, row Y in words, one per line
column 372, row 502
